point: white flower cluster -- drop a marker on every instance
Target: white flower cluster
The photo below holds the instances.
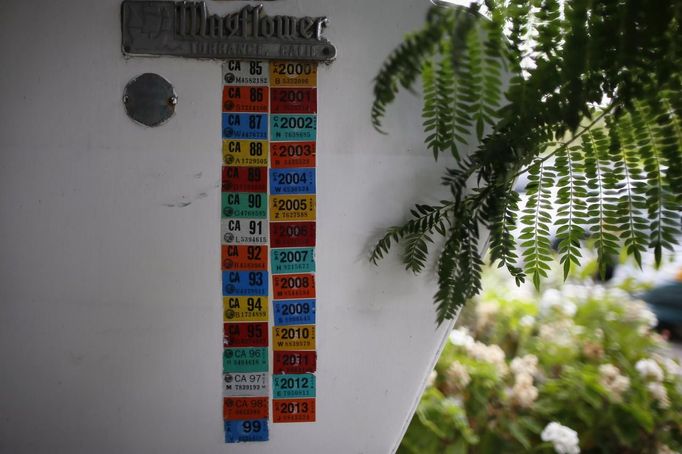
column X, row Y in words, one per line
column 492, row 354
column 560, row 332
column 637, row 311
column 553, row 300
column 460, row 337
column 456, row 378
column 523, row 393
column 650, row 370
column 527, row 364
column 564, row 439
column 613, row 381
column 485, row 314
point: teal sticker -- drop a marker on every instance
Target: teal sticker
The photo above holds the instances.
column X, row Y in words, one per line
column 293, row 260
column 293, row 127
column 253, row 359
column 293, row 386
column 244, row 205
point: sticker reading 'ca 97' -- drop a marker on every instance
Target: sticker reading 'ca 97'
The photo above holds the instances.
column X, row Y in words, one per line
column 292, row 181
column 244, row 204
column 245, row 283
column 245, row 408
column 246, row 72
column 293, row 127
column 293, row 410
column 245, row 153
column 245, row 309
column 293, row 260
column 293, row 385
column 293, row 286
column 244, row 231
column 248, row 359
column 299, row 337
column 294, row 362
column 292, row 154
column 292, row 208
column 293, row 74
column 245, row 126
column 245, row 384
column 294, row 312
column 246, row 430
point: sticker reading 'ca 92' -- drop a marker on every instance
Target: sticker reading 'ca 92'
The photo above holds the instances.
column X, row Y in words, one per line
column 245, row 126
column 245, row 283
column 292, row 207
column 246, row 430
column 244, row 204
column 293, row 385
column 292, row 181
column 293, row 286
column 293, row 127
column 244, row 231
column 248, row 359
column 245, row 384
column 245, row 308
column 294, row 312
column 245, row 408
column 293, row 410
column 293, row 260
column 244, row 257
column 298, row 337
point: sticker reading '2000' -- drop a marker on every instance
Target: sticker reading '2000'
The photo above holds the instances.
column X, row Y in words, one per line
column 299, row 337
column 292, row 208
column 245, row 126
column 293, row 74
column 293, row 127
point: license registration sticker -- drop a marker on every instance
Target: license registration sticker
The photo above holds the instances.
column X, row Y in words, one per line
column 245, row 126
column 246, row 72
column 235, row 408
column 294, row 362
column 244, row 204
column 240, row 384
column 292, row 154
column 292, row 234
column 245, row 99
column 246, row 430
column 293, row 386
column 244, row 231
column 292, row 207
column 294, row 312
column 245, row 309
column 299, row 337
column 293, row 74
column 245, row 334
column 292, row 181
column 244, row 257
column 293, row 410
column 293, row 286
column 293, row 260
column 245, row 153
column 245, row 283
column 292, row 127
column 293, row 100
column 249, row 359
column 244, row 179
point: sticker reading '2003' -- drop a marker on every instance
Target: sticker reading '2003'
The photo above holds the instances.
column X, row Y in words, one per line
column 246, row 430
column 293, row 127
column 245, row 126
column 299, row 337
column 246, row 153
column 292, row 154
column 292, row 208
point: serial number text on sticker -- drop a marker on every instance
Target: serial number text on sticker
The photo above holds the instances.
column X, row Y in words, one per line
column 247, row 359
column 294, row 362
column 244, row 204
column 245, row 153
column 293, row 100
column 293, row 260
column 245, row 309
column 294, row 312
column 244, row 231
column 238, row 98
column 284, row 155
column 293, row 386
column 246, row 72
column 293, row 286
column 292, row 207
column 253, row 334
column 297, row 337
column 241, row 384
column 293, row 74
column 245, row 408
column 292, row 234
column 293, row 127
column 245, row 283
column 246, row 430
column 244, row 179
column 244, row 257
column 245, row 126
column 292, row 181
column 293, row 410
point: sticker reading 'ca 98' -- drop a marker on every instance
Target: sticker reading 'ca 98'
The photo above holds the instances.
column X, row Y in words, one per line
column 293, row 74
column 292, row 181
column 293, row 286
column 293, row 127
column 246, row 72
column 245, row 309
column 292, row 234
column 294, row 312
column 245, row 334
column 241, row 384
column 292, row 154
column 246, row 153
column 245, row 99
column 245, row 126
column 293, row 260
column 246, row 430
column 299, row 337
column 292, row 208
column 293, row 410
column 244, row 231
column 293, row 385
column 245, row 283
column 245, row 408
column 248, row 359
column 244, row 205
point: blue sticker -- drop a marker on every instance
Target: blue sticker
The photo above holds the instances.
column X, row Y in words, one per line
column 245, row 126
column 292, row 181
column 293, row 260
column 293, row 127
column 246, row 430
column 245, row 283
column 294, row 312
column 289, row 386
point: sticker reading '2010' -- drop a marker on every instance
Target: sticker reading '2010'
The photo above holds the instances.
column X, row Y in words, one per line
column 253, row 334
column 292, row 234
column 235, row 408
column 244, row 231
column 292, row 154
column 293, row 74
column 245, row 309
column 292, row 208
column 248, row 359
column 244, row 204
column 246, row 430
column 245, row 283
column 245, row 153
column 292, row 181
column 245, row 126
column 293, row 410
column 293, row 385
column 293, row 260
column 293, row 286
column 299, row 337
column 294, row 312
column 246, row 72
column 241, row 384
column 293, row 127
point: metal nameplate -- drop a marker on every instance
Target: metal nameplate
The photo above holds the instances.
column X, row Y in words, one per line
column 185, row 29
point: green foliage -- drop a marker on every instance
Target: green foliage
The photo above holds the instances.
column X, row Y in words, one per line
column 583, row 97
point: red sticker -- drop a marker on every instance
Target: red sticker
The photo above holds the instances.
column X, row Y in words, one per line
column 245, row 99
column 293, row 100
column 292, row 234
column 245, row 179
column 245, row 408
column 245, row 334
column 294, row 362
column 286, row 155
column 288, row 286
column 240, row 257
column 293, row 410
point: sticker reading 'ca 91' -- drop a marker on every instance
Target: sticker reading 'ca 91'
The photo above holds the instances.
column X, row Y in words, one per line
column 244, row 205
column 293, row 260
column 246, row 72
column 243, row 257
column 293, row 100
column 293, row 127
column 293, row 410
column 293, row 385
column 294, row 312
column 292, row 208
column 245, row 126
column 292, row 154
column 299, row 337
column 292, row 234
column 241, row 384
column 293, row 74
column 246, row 430
column 245, row 153
column 245, row 334
column 249, row 359
column 245, row 408
column 244, row 231
column 245, row 283
column 292, row 181
column 245, row 99
column 244, row 179
column 294, row 362
column 245, row 309
column 293, row 286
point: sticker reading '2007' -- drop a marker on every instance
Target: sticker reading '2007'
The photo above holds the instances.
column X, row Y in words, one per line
column 293, row 74
column 246, row 430
column 245, row 283
column 294, row 312
column 293, row 260
column 292, row 181
column 245, row 126
column 244, row 205
column 246, row 153
column 293, row 385
column 292, row 208
column 245, row 308
column 248, row 359
column 299, row 337
column 293, row 127
column 293, row 286
column 293, row 410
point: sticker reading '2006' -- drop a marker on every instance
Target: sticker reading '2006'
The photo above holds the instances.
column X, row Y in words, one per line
column 293, row 260
column 244, row 205
column 292, row 181
column 293, row 127
column 292, row 234
column 248, row 359
column 246, row 430
column 294, row 312
column 245, row 126
column 245, row 308
column 293, row 74
column 246, row 153
column 292, row 208
column 293, row 286
column 293, row 385
column 293, row 410
column 299, row 337
column 245, row 283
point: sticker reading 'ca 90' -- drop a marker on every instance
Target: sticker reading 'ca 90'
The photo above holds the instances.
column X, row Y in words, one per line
column 246, row 72
column 241, row 384
column 294, row 312
column 292, row 208
column 292, row 181
column 244, row 231
column 293, row 286
column 293, row 410
column 246, row 430
column 293, row 385
column 244, row 205
column 299, row 337
column 293, row 260
column 245, row 99
column 292, row 234
column 244, row 257
column 249, row 359
column 245, row 126
column 245, row 408
column 245, row 153
column 244, row 179
column 292, row 127
column 245, row 334
column 245, row 283
column 293, row 100
column 245, row 309
column 292, row 154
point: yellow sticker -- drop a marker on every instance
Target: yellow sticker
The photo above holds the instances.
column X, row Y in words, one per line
column 245, row 309
column 296, row 337
column 293, row 74
column 292, row 207
column 245, row 153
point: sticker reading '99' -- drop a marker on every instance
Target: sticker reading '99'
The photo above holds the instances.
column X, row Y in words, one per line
column 293, row 127
column 293, row 286
column 246, row 430
column 245, row 126
column 293, row 410
column 245, row 283
column 292, row 208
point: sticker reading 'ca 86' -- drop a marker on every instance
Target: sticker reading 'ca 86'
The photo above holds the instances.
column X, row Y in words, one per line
column 245, row 99
column 293, row 127
column 244, row 231
column 292, row 208
column 246, row 72
column 299, row 337
column 245, row 309
column 293, row 286
column 292, row 181
column 246, row 430
column 245, row 283
column 246, row 153
column 245, row 359
column 245, row 384
column 245, row 126
column 293, row 410
column 245, row 408
column 243, row 204
column 293, row 260
column 293, row 74
column 292, row 154
column 293, row 385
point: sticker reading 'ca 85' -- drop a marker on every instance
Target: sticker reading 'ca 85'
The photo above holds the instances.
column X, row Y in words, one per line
column 244, row 231
column 246, row 430
column 293, row 410
column 294, row 312
column 292, row 208
column 299, row 337
column 245, row 99
column 245, row 309
column 244, row 257
column 245, row 153
column 293, row 286
column 293, row 385
column 245, row 126
column 293, row 260
column 245, row 408
column 292, row 154
column 245, row 334
column 293, row 127
column 245, row 283
column 293, row 74
column 245, row 72
column 244, row 204
column 245, row 384
column 292, row 181
column 248, row 359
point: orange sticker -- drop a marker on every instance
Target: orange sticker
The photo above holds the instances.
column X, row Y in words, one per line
column 287, row 286
column 245, row 99
column 292, row 154
column 293, row 410
column 245, row 408
column 244, row 258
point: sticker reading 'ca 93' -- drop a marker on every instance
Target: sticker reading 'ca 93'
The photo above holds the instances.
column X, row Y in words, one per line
column 246, row 430
column 293, row 410
column 292, row 208
column 292, row 181
column 241, row 384
column 293, row 127
column 294, row 362
column 293, row 286
column 245, row 408
column 244, row 204
column 245, row 283
column 298, row 337
column 248, row 359
column 246, row 72
column 292, row 154
column 244, row 231
column 245, row 126
column 293, row 260
column 244, row 257
column 293, row 385
column 292, row 234
column 245, row 334
column 293, row 74
column 294, row 312
column 244, row 179
column 245, row 153
column 245, row 309
column 245, row 99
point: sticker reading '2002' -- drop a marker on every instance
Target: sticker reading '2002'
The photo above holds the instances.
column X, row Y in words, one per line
column 292, row 208
column 293, row 127
column 299, row 337
column 245, row 308
column 293, row 286
column 246, row 430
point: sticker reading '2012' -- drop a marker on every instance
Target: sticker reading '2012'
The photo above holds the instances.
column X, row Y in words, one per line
column 294, row 312
column 246, row 430
column 293, row 127
column 246, row 359
column 292, row 181
column 293, row 385
column 292, row 208
column 245, row 126
column 293, row 260
column 245, row 283
column 244, row 204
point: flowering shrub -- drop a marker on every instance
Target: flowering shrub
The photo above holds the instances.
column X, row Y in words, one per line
column 576, row 370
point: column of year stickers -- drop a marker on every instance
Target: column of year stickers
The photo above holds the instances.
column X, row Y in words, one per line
column 244, row 251
column 293, row 128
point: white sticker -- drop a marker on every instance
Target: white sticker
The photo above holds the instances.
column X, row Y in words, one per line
column 246, row 72
column 244, row 231
column 245, row 384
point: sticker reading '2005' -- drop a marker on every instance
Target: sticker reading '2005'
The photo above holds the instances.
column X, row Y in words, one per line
column 293, row 127
column 293, row 260
column 293, row 385
column 248, row 359
column 245, row 283
column 244, row 231
column 294, row 312
column 293, row 74
column 245, row 126
column 246, row 430
column 299, row 337
column 244, row 204
column 293, row 286
column 292, row 208
column 245, row 308
column 246, row 153
column 292, row 181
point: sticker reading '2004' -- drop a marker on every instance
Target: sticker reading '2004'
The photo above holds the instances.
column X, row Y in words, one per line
column 293, row 127
column 248, row 359
column 292, row 208
column 293, row 260
column 292, row 181
column 293, row 286
column 299, row 337
column 245, row 126
column 246, row 430
column 244, row 204
column 245, row 283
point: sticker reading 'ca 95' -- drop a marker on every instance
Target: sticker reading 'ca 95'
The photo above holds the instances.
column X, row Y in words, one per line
column 294, row 362
column 293, row 385
column 249, row 359
column 245, row 283
column 293, row 74
column 245, row 126
column 244, row 205
column 246, row 72
column 241, row 384
column 244, row 257
column 299, row 337
column 294, row 312
column 293, row 410
column 245, row 309
column 293, row 127
column 245, row 99
column 244, row 231
column 245, row 153
column 293, row 286
column 244, row 179
column 293, row 260
column 293, row 100
column 246, row 430
column 292, row 207
column 292, row 181
column 292, row 234
column 245, row 408
column 245, row 334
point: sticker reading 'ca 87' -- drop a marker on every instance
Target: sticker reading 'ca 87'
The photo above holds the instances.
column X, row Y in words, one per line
column 245, row 126
column 293, row 286
column 244, row 231
column 246, row 430
column 299, row 337
column 292, row 208
column 293, row 410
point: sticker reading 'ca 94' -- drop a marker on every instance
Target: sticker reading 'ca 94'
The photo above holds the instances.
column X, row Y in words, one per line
column 244, row 231
column 292, row 234
column 293, row 260
column 245, row 283
column 292, row 208
column 292, row 154
column 292, row 181
column 293, row 286
column 293, row 385
column 245, row 99
column 245, row 126
column 293, row 74
column 245, row 153
column 245, row 384
column 245, row 408
column 244, row 204
column 294, row 312
column 245, row 308
column 246, row 430
column 293, row 410
column 293, row 127
column 299, row 337
column 248, row 359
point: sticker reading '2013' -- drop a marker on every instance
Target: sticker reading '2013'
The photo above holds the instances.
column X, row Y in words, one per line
column 299, row 337
column 241, row 384
column 246, row 153
column 245, row 283
column 246, row 430
column 235, row 408
column 293, row 385
column 293, row 127
column 246, row 359
column 292, row 181
column 293, row 286
column 244, row 205
column 244, row 231
column 293, row 410
column 245, row 126
column 245, row 308
column 293, row 260
column 294, row 312
column 292, row 208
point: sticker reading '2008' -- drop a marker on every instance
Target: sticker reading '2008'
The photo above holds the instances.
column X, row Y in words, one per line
column 248, row 359
column 246, row 430
column 245, row 126
column 293, row 410
column 293, row 260
column 246, row 153
column 245, row 308
column 293, row 127
column 245, row 283
column 294, row 312
column 299, row 337
column 292, row 181
column 292, row 208
column 293, row 74
column 244, row 231
column 293, row 385
column 293, row 286
column 244, row 205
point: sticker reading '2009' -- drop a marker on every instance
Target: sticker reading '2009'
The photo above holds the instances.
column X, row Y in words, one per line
column 245, row 126
column 293, row 127
column 294, row 312
column 292, row 181
column 292, row 208
column 246, row 430
column 248, row 359
column 245, row 283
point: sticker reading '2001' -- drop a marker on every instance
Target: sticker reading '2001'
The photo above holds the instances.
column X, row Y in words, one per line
column 292, row 208
column 293, row 127
column 245, row 126
column 246, row 430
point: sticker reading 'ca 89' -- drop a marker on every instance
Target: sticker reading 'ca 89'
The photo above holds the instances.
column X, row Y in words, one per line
column 246, row 72
column 246, row 153
column 244, row 179
column 245, row 309
column 292, row 208
column 245, row 283
column 293, row 74
column 244, row 204
column 248, row 359
column 292, row 181
column 292, row 154
column 292, row 234
column 293, row 385
column 245, row 384
column 293, row 127
column 245, row 99
column 245, row 408
column 245, row 126
column 293, row 286
column 244, row 231
column 246, row 430
column 299, row 337
column 293, row 410
column 244, row 257
column 293, row 260
column 245, row 334
column 294, row 312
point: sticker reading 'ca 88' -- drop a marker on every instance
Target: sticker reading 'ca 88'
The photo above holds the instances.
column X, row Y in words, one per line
column 298, row 337
column 293, row 286
column 245, row 359
column 244, row 231
column 293, row 127
column 293, row 74
column 293, row 410
column 245, row 384
column 292, row 208
column 245, row 308
column 245, row 408
column 246, row 72
column 246, row 153
column 245, row 126
column 246, row 430
column 292, row 154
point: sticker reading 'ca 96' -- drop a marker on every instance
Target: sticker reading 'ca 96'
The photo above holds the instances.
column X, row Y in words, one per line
column 244, row 205
column 294, row 362
column 246, row 430
column 245, row 99
column 294, row 312
column 248, row 359
column 292, row 208
column 244, row 231
column 293, row 286
column 293, row 100
column 292, row 154
column 244, row 179
column 293, row 410
column 245, row 283
column 245, row 309
column 241, row 384
column 299, row 337
column 293, row 74
column 292, row 234
column 245, row 126
column 245, row 72
column 246, row 153
column 293, row 260
column 292, row 181
column 245, row 334
column 293, row 385
column 245, row 408
column 292, row 127
column 244, row 257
